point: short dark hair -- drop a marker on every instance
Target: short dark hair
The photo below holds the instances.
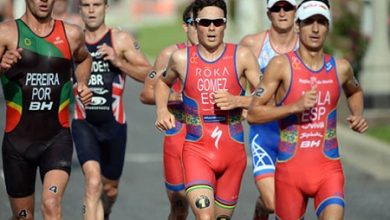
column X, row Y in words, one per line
column 200, row 4
column 187, row 12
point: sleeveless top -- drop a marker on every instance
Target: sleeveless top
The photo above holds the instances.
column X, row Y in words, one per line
column 107, row 84
column 311, row 135
column 203, row 78
column 37, row 88
column 266, row 52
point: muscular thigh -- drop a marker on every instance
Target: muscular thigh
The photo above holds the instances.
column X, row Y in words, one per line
column 85, row 140
column 198, row 168
column 290, row 201
column 58, row 156
column 19, row 173
column 330, row 194
column 264, row 140
column 229, row 181
column 113, row 152
column 20, row 167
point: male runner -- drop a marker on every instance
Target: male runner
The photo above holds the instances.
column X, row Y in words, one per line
column 264, row 138
column 174, row 138
column 307, row 85
column 99, row 130
column 211, row 75
column 37, row 54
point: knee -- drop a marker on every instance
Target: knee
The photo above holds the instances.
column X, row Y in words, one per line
column 94, row 186
column 110, row 190
column 205, row 216
column 51, row 205
column 23, row 214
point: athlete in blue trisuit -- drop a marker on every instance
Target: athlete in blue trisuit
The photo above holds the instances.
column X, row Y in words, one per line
column 37, row 54
column 280, row 38
column 99, row 130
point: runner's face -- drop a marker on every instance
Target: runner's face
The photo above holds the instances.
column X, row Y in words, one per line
column 282, row 16
column 313, row 31
column 211, row 35
column 93, row 13
column 41, row 9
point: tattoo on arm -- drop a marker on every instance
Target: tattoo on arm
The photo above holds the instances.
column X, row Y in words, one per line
column 137, row 46
column 152, row 74
column 259, row 92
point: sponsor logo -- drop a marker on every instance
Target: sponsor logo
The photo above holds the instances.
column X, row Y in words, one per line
column 98, row 101
column 58, row 40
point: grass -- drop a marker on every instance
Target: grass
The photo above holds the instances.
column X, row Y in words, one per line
column 154, row 39
column 380, row 132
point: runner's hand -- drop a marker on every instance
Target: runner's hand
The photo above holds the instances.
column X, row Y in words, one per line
column 10, row 58
column 357, row 123
column 165, row 120
column 108, row 53
column 224, row 100
column 84, row 93
column 307, row 100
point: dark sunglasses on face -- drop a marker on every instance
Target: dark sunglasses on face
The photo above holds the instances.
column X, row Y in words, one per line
column 286, row 7
column 205, row 22
column 189, row 21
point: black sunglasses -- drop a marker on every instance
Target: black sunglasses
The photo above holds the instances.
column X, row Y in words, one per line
column 286, row 7
column 189, row 21
column 205, row 22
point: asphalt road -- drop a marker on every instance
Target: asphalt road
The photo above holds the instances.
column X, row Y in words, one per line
column 142, row 192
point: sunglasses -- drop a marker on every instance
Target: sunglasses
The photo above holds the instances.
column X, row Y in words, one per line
column 286, row 7
column 189, row 21
column 205, row 22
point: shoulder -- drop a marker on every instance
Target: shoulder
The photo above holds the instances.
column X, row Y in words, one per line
column 8, row 32
column 167, row 51
column 8, row 26
column 243, row 52
column 280, row 62
column 124, row 41
column 121, row 36
column 179, row 55
column 253, row 40
column 344, row 69
column 343, row 65
column 74, row 32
